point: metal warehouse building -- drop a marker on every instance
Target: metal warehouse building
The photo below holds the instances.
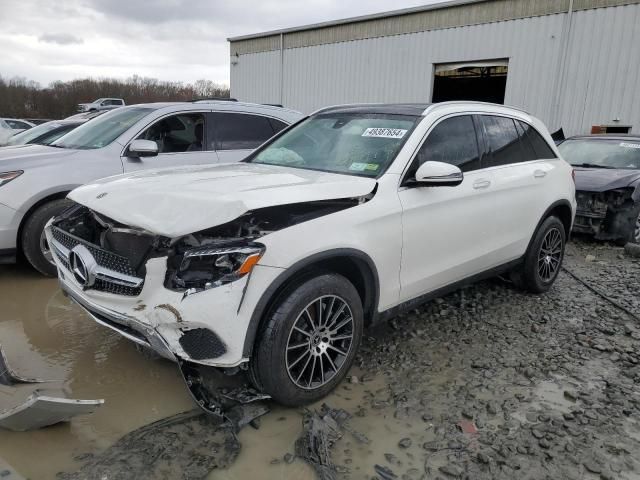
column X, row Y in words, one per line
column 573, row 63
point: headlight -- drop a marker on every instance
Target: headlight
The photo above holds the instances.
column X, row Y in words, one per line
column 6, row 177
column 208, row 267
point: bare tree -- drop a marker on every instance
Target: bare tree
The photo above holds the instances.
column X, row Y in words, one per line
column 22, row 98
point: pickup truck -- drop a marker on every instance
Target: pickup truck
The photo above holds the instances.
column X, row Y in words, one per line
column 101, row 104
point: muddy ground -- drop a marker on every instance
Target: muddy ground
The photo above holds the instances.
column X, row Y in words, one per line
column 484, row 383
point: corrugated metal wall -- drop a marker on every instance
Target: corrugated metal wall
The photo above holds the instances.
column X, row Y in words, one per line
column 600, row 74
column 602, row 78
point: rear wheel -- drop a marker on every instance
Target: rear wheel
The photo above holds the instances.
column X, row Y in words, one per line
column 34, row 243
column 309, row 342
column 543, row 259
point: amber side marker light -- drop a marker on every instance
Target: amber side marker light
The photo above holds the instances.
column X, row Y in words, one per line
column 249, row 263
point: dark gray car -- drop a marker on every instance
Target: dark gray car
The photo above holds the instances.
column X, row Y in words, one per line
column 607, row 174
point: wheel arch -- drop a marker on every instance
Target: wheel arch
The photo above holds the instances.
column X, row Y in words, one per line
column 49, row 198
column 561, row 209
column 355, row 265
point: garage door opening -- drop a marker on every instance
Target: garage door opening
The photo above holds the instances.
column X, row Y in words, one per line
column 483, row 81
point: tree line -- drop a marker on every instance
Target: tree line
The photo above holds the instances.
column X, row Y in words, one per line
column 22, row 98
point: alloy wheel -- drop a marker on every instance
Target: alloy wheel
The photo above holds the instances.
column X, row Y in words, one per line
column 636, row 230
column 319, row 342
column 550, row 255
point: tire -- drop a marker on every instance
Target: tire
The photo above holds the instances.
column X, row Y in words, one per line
column 313, row 367
column 32, row 231
column 539, row 271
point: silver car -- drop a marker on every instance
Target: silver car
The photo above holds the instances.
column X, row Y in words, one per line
column 35, row 179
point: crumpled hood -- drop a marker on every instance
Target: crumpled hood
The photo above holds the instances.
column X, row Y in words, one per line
column 20, row 157
column 178, row 201
column 603, row 179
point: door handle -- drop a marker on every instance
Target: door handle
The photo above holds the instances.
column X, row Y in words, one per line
column 539, row 174
column 481, row 183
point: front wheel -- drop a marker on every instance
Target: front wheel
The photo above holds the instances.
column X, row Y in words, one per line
column 34, row 243
column 309, row 341
column 543, row 259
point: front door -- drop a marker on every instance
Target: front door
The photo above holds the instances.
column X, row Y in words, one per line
column 448, row 232
column 181, row 140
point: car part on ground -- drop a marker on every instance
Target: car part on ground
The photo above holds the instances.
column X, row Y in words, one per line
column 40, row 408
column 184, row 133
column 320, row 431
column 276, row 263
column 10, row 377
column 607, row 175
column 222, row 397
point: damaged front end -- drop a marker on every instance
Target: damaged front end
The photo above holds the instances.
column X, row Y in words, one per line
column 225, row 253
column 180, row 297
column 608, row 215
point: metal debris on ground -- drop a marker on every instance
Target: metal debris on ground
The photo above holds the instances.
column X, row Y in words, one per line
column 186, row 446
column 321, row 430
column 222, row 397
column 10, row 377
column 40, row 408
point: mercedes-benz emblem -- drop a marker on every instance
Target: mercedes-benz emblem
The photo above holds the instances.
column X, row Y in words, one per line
column 83, row 265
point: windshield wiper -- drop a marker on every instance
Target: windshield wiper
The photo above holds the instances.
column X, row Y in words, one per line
column 591, row 165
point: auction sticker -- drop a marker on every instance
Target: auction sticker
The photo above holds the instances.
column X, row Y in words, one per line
column 384, row 132
column 361, row 167
column 630, row 145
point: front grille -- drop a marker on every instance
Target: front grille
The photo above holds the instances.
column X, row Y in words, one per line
column 590, row 205
column 104, row 258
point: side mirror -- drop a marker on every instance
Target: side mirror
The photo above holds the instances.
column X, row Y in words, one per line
column 438, row 174
column 142, row 148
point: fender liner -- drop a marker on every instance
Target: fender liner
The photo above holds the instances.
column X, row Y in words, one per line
column 367, row 270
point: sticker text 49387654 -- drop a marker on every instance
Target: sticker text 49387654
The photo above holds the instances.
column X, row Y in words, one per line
column 384, row 132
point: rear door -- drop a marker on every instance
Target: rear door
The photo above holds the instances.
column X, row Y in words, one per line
column 519, row 177
column 234, row 135
column 448, row 232
column 182, row 140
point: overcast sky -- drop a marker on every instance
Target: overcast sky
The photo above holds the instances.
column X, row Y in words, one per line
column 181, row 40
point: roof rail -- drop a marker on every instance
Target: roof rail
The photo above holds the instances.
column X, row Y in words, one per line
column 273, row 105
column 473, row 102
column 216, row 99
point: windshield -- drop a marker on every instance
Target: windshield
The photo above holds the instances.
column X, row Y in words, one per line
column 28, row 136
column 601, row 153
column 356, row 144
column 103, row 130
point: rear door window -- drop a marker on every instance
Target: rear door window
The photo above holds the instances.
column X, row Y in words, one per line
column 502, row 140
column 527, row 148
column 539, row 144
column 240, row 131
column 277, row 125
column 453, row 141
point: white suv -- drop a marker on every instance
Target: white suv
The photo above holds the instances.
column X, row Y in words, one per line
column 277, row 263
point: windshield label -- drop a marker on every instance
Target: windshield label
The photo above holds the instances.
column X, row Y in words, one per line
column 630, row 145
column 361, row 167
column 384, row 132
